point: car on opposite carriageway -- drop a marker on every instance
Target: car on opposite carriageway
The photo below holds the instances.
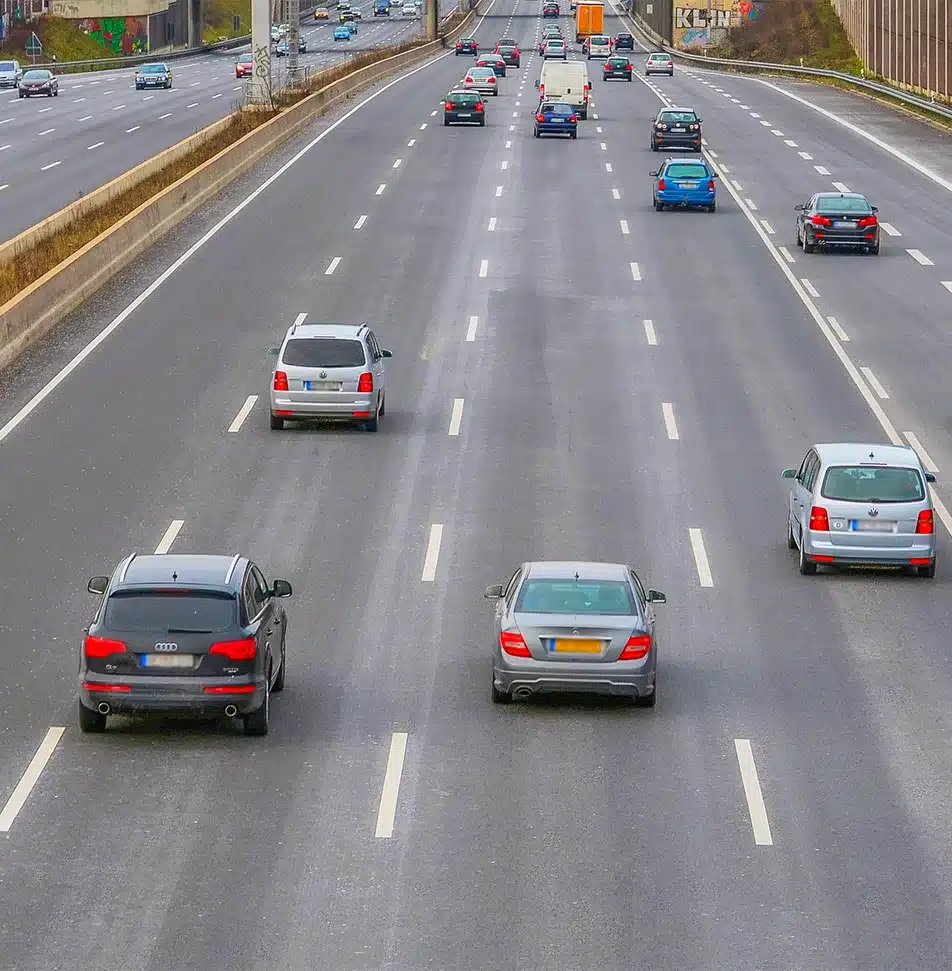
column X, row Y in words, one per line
column 153, row 76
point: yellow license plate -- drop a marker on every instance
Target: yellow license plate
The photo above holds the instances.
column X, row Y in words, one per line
column 566, row 646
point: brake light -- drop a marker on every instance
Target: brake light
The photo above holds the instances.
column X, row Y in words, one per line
column 96, row 686
column 449, row 105
column 710, row 185
column 540, row 117
column 637, row 647
column 661, row 185
column 629, row 67
column 102, row 646
column 366, row 383
column 492, row 80
column 479, row 107
column 819, row 220
column 925, row 524
column 243, row 650
column 229, row 689
column 868, row 221
column 468, row 79
column 819, row 519
column 541, row 89
column 280, row 381
column 459, row 44
column 573, row 118
column 513, row 644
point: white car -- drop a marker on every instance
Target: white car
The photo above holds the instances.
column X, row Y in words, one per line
column 599, row 46
column 659, row 63
column 482, row 79
column 410, row 10
column 555, row 48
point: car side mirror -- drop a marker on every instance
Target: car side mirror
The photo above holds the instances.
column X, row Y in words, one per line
column 98, row 585
column 930, row 477
column 384, row 353
column 493, row 591
column 653, row 175
column 281, row 588
column 656, row 597
column 274, row 351
column 874, row 208
column 799, row 207
column 788, row 474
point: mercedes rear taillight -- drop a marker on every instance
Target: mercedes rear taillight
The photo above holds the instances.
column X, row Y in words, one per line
column 102, row 646
column 242, row 650
column 819, row 519
column 513, row 644
column 637, row 647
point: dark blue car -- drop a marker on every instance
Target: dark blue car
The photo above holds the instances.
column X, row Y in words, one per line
column 556, row 118
column 685, row 183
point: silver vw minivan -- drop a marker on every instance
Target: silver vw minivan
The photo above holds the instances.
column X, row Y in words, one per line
column 854, row 504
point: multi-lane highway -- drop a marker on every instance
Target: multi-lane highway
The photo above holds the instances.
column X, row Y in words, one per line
column 55, row 150
column 787, row 804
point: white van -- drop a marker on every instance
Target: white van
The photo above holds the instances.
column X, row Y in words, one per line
column 566, row 81
column 599, row 46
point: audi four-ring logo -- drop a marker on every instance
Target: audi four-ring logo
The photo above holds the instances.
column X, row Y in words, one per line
column 166, row 647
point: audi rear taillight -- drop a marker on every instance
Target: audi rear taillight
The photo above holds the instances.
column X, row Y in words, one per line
column 868, row 221
column 819, row 220
column 366, row 383
column 637, row 647
column 513, row 644
column 540, row 117
column 243, row 650
column 102, row 646
column 819, row 519
column 925, row 523
column 661, row 185
column 280, row 381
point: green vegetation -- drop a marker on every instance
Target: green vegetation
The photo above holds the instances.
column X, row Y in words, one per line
column 218, row 19
column 790, row 30
column 61, row 38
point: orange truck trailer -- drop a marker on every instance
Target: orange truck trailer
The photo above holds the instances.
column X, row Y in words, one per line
column 589, row 20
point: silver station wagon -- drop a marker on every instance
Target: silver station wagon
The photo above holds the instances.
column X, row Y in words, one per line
column 854, row 504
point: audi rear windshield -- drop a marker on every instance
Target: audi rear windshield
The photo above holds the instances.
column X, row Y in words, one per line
column 323, row 352
column 576, row 597
column 863, row 483
column 158, row 611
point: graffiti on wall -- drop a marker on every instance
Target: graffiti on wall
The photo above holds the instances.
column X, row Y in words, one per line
column 702, row 23
column 124, row 35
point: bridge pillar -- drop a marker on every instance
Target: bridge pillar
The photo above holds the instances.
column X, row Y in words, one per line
column 195, row 23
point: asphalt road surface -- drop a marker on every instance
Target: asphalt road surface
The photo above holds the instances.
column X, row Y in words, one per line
column 55, row 150
column 786, row 806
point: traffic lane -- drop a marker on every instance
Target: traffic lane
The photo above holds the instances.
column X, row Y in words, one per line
column 836, row 730
column 384, row 524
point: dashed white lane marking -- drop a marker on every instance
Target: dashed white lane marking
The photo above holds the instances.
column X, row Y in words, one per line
column 194, row 104
column 515, row 114
column 47, row 131
column 924, row 456
column 874, row 382
column 483, row 268
column 397, row 163
column 725, row 169
column 380, row 189
column 635, row 272
column 786, row 254
column 492, row 224
column 751, row 204
column 29, row 778
column 777, row 132
column 595, row 115
column 920, row 257
column 736, row 185
column 598, row 129
column 670, row 425
column 433, row 114
column 432, row 557
column 616, row 194
column 512, row 128
column 754, row 114
column 168, row 538
column 214, row 96
column 411, row 143
column 52, row 165
column 387, row 809
column 498, row 191
column 89, row 148
column 810, row 288
column 700, row 558
column 650, row 334
column 767, row 227
column 117, row 107
column 508, row 144
column 422, row 126
column 161, row 117
column 243, row 413
column 361, row 221
column 471, row 329
column 603, row 146
column 129, row 131
column 77, row 101
column 766, row 124
column 790, row 143
column 457, row 416
column 334, row 263
column 840, row 187
column 42, row 110
column 624, row 227
column 805, row 155
column 504, row 165
column 837, row 329
column 948, row 285
column 755, row 798
column 608, row 166
column 745, row 107
column 713, row 154
column 822, row 169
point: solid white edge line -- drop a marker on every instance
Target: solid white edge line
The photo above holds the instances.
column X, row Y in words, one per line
column 432, row 557
column 874, row 382
column 243, row 412
column 919, row 449
column 670, row 425
column 471, row 329
column 165, row 544
column 700, row 557
column 123, row 315
column 29, row 778
column 752, row 791
column 387, row 809
column 650, row 334
column 457, row 417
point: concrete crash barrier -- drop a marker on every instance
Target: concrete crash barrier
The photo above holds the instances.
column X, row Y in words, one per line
column 34, row 311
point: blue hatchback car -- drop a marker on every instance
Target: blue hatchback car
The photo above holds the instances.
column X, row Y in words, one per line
column 342, row 32
column 685, row 183
column 556, row 118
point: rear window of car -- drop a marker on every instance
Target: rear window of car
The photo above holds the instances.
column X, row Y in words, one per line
column 559, row 109
column 323, row 352
column 684, row 170
column 470, row 97
column 169, row 611
column 862, row 483
column 7, row 66
column 842, row 204
column 576, row 597
column 599, row 40
column 679, row 116
column 556, row 43
column 481, row 72
column 658, row 57
column 617, row 61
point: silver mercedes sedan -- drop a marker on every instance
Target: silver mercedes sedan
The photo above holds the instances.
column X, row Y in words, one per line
column 574, row 627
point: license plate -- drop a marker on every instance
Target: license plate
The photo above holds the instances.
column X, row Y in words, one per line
column 464, row 114
column 322, row 385
column 689, row 185
column 166, row 660
column 560, row 645
column 872, row 526
column 678, row 131
column 845, row 224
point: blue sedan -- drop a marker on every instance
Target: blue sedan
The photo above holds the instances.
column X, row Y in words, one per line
column 684, row 184
column 556, row 118
column 342, row 32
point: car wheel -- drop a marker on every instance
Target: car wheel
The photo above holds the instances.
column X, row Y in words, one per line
column 91, row 721
column 168, row 87
column 874, row 249
column 791, row 539
column 535, row 132
column 279, row 680
column 927, row 572
column 496, row 93
column 654, row 145
column 49, row 94
column 807, row 569
column 256, row 722
column 712, row 207
column 277, row 423
column 56, row 93
column 383, row 406
column 373, row 424
column 500, row 697
column 808, row 247
column 482, row 124
column 575, row 134
column 658, row 206
column 647, row 701
column 670, row 74
column 446, row 123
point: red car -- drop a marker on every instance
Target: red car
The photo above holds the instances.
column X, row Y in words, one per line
column 244, row 66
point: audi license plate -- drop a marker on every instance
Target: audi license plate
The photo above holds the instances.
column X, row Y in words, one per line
column 873, row 525
column 166, row 660
column 845, row 224
column 322, row 385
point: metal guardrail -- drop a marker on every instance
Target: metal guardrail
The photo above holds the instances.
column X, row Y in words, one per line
column 888, row 90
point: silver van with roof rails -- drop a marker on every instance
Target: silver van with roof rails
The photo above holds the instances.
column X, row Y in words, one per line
column 10, row 74
column 855, row 504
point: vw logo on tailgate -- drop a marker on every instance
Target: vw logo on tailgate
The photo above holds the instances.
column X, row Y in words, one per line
column 166, row 647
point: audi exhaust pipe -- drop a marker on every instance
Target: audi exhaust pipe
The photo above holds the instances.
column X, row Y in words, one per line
column 521, row 693
column 103, row 708
column 231, row 711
